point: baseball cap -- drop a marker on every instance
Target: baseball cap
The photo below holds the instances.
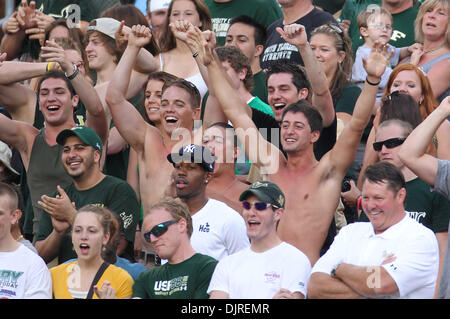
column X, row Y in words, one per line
column 267, row 192
column 84, row 133
column 106, row 26
column 159, row 5
column 194, row 154
column 5, row 157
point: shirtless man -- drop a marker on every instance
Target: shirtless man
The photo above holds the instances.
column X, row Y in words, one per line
column 180, row 106
column 308, row 214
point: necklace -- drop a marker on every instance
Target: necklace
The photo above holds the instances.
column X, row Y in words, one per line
column 19, row 238
column 434, row 49
column 229, row 186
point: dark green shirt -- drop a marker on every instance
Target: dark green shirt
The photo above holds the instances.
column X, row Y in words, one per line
column 111, row 192
column 186, row 280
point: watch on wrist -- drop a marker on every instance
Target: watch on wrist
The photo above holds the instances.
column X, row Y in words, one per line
column 333, row 271
column 74, row 74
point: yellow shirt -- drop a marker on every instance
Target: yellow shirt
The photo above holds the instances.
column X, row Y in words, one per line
column 64, row 277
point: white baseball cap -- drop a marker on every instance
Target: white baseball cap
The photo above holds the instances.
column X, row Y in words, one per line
column 5, row 157
column 106, row 26
column 159, row 4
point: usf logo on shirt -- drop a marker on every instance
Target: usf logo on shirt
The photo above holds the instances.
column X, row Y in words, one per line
column 169, row 287
column 8, row 278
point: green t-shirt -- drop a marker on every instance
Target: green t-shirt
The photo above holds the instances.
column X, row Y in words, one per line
column 426, row 207
column 260, row 86
column 111, row 192
column 403, row 33
column 186, row 280
column 263, row 11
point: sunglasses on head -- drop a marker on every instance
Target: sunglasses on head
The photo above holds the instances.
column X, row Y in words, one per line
column 159, row 229
column 389, row 143
column 258, row 205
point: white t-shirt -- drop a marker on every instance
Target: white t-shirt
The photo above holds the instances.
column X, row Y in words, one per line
column 219, row 230
column 24, row 275
column 251, row 275
column 415, row 247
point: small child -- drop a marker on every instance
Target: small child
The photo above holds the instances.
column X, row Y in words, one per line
column 375, row 24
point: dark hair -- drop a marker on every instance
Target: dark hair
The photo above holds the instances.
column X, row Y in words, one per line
column 177, row 209
column 400, row 106
column 260, row 33
column 310, row 112
column 11, row 192
column 228, row 128
column 168, row 42
column 342, row 43
column 191, row 89
column 385, row 172
column 131, row 16
column 55, row 74
column 299, row 78
column 238, row 61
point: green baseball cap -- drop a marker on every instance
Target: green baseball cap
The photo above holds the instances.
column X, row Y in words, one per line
column 267, row 192
column 84, row 133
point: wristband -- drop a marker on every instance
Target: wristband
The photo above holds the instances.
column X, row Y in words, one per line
column 74, row 74
column 358, row 203
column 195, row 55
column 373, row 84
column 47, row 68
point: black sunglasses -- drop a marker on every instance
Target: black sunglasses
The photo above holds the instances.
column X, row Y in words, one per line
column 258, row 205
column 390, row 143
column 159, row 229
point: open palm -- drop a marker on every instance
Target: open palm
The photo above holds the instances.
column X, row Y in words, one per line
column 378, row 60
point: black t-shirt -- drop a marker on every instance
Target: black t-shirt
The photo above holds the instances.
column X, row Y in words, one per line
column 277, row 49
column 326, row 140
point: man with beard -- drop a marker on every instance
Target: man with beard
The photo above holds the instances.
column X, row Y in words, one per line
column 82, row 149
column 219, row 230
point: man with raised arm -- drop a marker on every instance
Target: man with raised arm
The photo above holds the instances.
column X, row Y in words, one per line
column 432, row 170
column 312, row 188
column 180, row 106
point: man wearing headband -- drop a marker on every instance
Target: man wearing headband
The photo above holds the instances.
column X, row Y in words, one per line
column 269, row 268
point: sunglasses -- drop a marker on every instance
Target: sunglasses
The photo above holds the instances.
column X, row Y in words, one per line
column 159, row 229
column 390, row 143
column 258, row 205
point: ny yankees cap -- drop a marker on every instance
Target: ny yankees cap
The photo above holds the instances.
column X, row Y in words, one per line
column 84, row 133
column 194, row 154
column 265, row 191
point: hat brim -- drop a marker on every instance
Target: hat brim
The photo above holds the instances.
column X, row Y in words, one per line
column 260, row 195
column 8, row 166
column 188, row 158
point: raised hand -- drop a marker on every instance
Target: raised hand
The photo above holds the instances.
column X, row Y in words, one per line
column 121, row 35
column 26, row 14
column 139, row 36
column 378, row 60
column 294, row 34
column 11, row 25
column 53, row 52
column 202, row 43
column 180, row 29
column 43, row 20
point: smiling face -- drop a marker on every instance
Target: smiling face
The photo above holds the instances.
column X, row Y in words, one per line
column 152, row 102
column 88, row 236
column 176, row 110
column 55, row 101
column 79, row 160
column 296, row 132
column 220, row 142
column 281, row 93
column 326, row 53
column 97, row 54
column 382, row 205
